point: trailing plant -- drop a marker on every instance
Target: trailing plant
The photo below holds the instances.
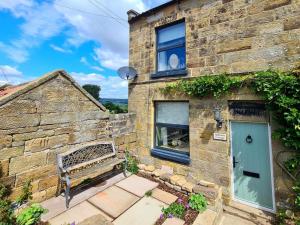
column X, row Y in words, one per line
column 26, row 193
column 6, row 210
column 281, row 91
column 198, row 202
column 292, row 164
column 31, row 215
column 204, row 86
column 174, row 210
column 131, row 163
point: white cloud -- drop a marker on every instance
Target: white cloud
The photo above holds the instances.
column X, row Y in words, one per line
column 84, row 61
column 41, row 22
column 60, row 49
column 101, row 21
column 11, row 75
column 10, row 71
column 14, row 53
column 111, row 87
column 99, row 26
column 110, row 59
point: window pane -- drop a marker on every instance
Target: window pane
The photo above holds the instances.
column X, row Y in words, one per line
column 172, row 138
column 171, row 33
column 172, row 113
column 171, row 59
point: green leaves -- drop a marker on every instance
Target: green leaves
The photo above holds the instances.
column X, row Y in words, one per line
column 198, row 202
column 214, row 85
column 26, row 193
column 131, row 163
column 175, row 209
column 280, row 90
column 30, row 215
column 296, row 188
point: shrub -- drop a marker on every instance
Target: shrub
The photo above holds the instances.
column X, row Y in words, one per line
column 31, row 215
column 175, row 209
column 148, row 193
column 131, row 163
column 26, row 193
column 281, row 217
column 296, row 188
column 198, row 202
column 6, row 210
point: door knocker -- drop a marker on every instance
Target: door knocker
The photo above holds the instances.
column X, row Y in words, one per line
column 249, row 139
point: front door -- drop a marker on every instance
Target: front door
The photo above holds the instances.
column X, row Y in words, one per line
column 251, row 164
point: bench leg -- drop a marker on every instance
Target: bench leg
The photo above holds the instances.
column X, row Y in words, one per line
column 125, row 169
column 67, row 193
column 59, row 186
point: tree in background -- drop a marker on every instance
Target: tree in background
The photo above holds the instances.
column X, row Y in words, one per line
column 93, row 90
column 114, row 108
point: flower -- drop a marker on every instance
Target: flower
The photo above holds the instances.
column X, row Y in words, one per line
column 73, row 223
column 187, row 205
column 170, row 215
column 161, row 216
column 180, row 200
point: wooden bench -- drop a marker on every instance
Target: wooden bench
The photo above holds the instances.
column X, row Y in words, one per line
column 88, row 161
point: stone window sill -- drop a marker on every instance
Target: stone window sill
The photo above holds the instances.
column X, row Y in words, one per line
column 183, row 158
column 171, row 73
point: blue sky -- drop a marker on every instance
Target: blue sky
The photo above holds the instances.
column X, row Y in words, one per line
column 88, row 39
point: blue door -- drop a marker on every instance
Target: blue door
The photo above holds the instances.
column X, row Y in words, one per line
column 251, row 164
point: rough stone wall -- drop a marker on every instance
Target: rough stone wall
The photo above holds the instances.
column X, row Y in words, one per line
column 232, row 36
column 50, row 119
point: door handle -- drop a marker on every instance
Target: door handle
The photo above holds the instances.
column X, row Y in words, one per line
column 234, row 162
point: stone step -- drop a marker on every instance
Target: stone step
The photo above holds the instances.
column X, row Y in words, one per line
column 254, row 215
column 208, row 217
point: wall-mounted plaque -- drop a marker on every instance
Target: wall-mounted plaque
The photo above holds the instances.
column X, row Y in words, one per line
column 220, row 137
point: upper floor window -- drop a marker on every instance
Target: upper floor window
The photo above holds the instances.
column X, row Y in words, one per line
column 171, row 48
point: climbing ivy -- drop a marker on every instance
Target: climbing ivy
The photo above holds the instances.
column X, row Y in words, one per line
column 280, row 90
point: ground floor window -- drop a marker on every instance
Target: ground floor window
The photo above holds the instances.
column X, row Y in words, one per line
column 172, row 127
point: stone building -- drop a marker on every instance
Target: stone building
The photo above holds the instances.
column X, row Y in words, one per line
column 48, row 116
column 182, row 39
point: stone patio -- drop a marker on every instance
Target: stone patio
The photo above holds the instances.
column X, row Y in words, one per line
column 122, row 201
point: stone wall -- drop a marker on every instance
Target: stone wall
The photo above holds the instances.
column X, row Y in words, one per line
column 232, row 36
column 49, row 119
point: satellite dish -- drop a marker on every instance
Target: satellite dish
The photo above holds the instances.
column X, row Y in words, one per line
column 127, row 73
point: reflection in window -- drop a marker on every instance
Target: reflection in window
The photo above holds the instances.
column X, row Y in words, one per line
column 172, row 126
column 171, row 47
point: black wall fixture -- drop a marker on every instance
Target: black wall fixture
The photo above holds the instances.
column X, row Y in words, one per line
column 247, row 108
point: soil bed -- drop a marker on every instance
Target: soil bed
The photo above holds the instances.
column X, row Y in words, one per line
column 190, row 214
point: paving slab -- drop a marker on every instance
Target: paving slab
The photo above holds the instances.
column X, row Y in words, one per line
column 137, row 185
column 144, row 212
column 96, row 220
column 164, row 196
column 235, row 220
column 57, row 205
column 173, row 221
column 206, row 218
column 77, row 214
column 113, row 201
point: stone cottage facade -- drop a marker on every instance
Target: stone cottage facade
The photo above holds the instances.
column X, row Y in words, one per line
column 182, row 39
column 48, row 116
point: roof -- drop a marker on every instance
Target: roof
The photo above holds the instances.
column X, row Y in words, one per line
column 8, row 93
column 8, row 89
column 153, row 10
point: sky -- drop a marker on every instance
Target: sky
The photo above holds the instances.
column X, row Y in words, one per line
column 87, row 38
